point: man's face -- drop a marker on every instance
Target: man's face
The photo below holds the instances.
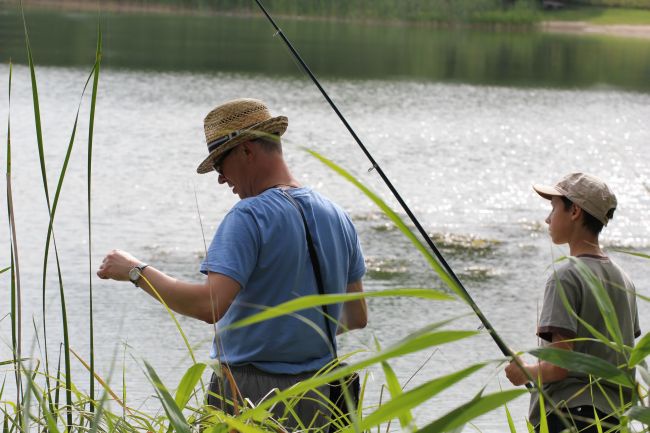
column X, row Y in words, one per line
column 232, row 171
column 560, row 221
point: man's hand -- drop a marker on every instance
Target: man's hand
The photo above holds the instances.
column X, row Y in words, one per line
column 514, row 373
column 116, row 266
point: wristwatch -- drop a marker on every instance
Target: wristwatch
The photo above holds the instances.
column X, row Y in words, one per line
column 136, row 272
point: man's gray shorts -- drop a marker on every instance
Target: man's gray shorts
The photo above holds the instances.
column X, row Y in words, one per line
column 256, row 385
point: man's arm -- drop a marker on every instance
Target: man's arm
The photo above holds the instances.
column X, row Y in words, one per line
column 543, row 370
column 207, row 301
column 355, row 313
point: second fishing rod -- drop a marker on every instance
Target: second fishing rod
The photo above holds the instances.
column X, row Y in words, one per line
column 441, row 260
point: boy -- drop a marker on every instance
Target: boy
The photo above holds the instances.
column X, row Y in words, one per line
column 581, row 206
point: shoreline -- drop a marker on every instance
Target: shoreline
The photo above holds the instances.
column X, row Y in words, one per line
column 637, row 31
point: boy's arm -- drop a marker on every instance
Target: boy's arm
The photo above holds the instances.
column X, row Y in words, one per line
column 543, row 370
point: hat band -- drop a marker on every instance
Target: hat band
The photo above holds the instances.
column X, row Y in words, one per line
column 221, row 140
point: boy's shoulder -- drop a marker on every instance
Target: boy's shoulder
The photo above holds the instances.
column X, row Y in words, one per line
column 581, row 268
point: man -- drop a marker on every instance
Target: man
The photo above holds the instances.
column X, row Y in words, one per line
column 581, row 205
column 259, row 258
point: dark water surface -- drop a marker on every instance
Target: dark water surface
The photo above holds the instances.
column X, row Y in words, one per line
column 463, row 154
column 208, row 44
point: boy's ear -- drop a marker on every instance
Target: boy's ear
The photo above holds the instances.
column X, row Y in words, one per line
column 576, row 212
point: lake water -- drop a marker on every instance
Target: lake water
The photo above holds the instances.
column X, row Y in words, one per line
column 463, row 122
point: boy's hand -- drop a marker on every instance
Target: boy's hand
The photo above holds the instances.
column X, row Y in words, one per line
column 514, row 373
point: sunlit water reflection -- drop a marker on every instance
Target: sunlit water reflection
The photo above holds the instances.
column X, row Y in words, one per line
column 464, row 158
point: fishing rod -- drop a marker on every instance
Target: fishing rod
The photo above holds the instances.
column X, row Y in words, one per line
column 486, row 323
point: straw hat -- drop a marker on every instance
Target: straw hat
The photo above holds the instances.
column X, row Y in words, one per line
column 236, row 122
column 587, row 191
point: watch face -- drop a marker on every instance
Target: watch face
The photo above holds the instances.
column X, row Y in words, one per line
column 134, row 274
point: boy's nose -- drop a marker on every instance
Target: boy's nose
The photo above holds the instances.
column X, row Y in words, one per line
column 222, row 179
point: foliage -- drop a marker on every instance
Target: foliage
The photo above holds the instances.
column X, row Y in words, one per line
column 37, row 405
column 502, row 11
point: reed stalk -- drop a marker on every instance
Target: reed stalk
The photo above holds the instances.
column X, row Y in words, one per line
column 16, row 304
column 91, row 274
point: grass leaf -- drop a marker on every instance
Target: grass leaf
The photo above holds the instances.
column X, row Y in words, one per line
column 511, row 423
column 639, row 413
column 188, row 383
column 413, row 343
column 474, row 408
column 176, row 418
column 405, row 416
column 603, row 300
column 397, row 220
column 413, row 398
column 312, row 301
column 584, row 363
column 641, row 350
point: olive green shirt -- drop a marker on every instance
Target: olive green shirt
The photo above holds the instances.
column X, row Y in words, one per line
column 575, row 390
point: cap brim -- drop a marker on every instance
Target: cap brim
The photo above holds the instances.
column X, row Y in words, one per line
column 547, row 191
column 274, row 126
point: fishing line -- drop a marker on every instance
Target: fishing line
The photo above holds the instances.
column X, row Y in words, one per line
column 375, row 166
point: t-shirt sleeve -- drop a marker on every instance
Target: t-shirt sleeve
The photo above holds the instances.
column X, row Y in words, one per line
column 556, row 317
column 234, row 248
column 357, row 267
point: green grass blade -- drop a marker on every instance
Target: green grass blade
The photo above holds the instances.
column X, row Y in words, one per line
column 176, row 418
column 39, row 141
column 188, row 383
column 16, row 296
column 633, row 253
column 405, row 416
column 639, row 413
column 98, row 415
column 584, row 363
column 644, row 373
column 91, row 274
column 399, row 223
column 413, row 398
column 413, row 343
column 3, row 270
column 5, row 422
column 240, row 427
column 311, row 301
column 50, row 235
column 467, row 412
column 543, row 422
column 640, row 351
column 49, row 417
column 603, row 301
column 173, row 317
column 511, row 424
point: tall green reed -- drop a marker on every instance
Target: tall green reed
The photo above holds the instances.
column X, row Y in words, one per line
column 16, row 304
column 181, row 416
column 91, row 274
column 52, row 207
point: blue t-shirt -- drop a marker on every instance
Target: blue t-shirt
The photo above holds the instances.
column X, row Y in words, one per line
column 261, row 244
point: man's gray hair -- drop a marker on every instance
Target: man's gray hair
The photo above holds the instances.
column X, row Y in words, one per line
column 270, row 143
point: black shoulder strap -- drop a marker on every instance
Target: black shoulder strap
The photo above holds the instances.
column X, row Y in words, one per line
column 315, row 264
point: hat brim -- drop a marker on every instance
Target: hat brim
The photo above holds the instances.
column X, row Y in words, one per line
column 273, row 126
column 547, row 192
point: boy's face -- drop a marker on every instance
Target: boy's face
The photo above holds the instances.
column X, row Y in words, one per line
column 560, row 221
